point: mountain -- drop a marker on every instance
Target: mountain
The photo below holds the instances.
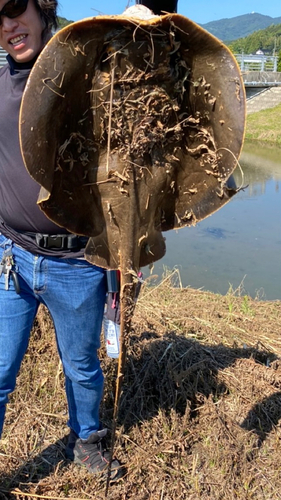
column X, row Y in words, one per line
column 268, row 40
column 239, row 26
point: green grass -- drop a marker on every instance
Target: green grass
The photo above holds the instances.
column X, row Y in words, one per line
column 265, row 126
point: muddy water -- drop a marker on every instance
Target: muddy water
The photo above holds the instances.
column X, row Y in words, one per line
column 238, row 247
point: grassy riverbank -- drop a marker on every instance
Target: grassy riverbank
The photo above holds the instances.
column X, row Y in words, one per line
column 264, row 126
column 200, row 411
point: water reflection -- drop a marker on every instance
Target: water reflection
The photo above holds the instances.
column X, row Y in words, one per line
column 238, row 246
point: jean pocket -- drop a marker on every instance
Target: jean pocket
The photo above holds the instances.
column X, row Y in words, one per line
column 81, row 263
column 4, row 241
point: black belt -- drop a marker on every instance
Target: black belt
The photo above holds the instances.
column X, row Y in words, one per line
column 58, row 241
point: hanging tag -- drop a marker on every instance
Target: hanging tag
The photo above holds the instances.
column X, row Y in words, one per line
column 111, row 336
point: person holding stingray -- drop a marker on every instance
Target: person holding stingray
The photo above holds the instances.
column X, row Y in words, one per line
column 41, row 263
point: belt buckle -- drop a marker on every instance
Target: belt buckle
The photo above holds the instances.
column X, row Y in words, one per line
column 49, row 241
column 55, row 241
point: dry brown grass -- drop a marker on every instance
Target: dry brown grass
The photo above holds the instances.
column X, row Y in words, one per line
column 200, row 411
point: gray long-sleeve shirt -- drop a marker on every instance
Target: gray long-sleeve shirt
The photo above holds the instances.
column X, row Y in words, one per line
column 18, row 191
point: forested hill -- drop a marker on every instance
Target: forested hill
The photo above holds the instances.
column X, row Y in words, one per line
column 62, row 22
column 240, row 26
column 268, row 40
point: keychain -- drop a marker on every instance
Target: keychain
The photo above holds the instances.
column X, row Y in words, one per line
column 7, row 268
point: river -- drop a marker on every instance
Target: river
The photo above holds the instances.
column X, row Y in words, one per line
column 239, row 247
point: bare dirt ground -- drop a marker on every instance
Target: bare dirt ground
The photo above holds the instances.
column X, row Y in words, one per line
column 200, row 411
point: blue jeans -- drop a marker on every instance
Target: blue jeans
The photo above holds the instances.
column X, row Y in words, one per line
column 74, row 292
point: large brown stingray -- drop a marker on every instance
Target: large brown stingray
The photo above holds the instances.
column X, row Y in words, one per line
column 132, row 127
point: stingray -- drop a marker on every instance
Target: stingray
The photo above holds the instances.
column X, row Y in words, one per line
column 132, row 125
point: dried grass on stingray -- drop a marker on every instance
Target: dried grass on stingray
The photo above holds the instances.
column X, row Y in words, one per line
column 142, row 113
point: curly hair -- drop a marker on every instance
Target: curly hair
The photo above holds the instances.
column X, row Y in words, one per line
column 48, row 13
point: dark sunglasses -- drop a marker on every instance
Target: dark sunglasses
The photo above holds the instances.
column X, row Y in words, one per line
column 13, row 8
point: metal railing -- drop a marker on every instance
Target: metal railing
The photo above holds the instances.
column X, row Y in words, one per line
column 256, row 62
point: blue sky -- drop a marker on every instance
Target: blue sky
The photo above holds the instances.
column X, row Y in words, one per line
column 200, row 11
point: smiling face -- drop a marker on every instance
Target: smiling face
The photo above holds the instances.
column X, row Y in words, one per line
column 21, row 37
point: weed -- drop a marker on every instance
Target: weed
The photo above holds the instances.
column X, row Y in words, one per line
column 245, row 306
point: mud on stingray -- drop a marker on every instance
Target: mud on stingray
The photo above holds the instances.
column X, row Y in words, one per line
column 132, row 127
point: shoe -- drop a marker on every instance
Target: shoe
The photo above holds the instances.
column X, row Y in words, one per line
column 93, row 454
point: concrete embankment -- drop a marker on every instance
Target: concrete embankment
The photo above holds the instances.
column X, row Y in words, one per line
column 267, row 98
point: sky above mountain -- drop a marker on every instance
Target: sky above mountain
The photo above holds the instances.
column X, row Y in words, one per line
column 200, row 11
